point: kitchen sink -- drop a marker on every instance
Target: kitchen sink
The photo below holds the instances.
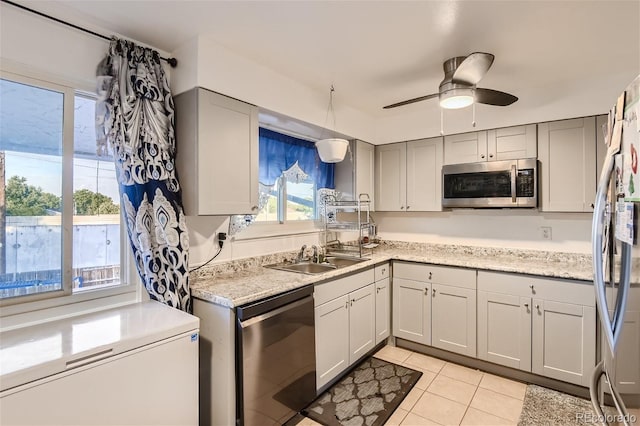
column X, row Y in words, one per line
column 341, row 262
column 306, row 267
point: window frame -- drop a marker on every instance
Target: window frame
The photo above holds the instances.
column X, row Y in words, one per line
column 46, row 306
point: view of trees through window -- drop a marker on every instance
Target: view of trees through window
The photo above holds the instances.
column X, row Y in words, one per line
column 33, row 197
column 299, row 201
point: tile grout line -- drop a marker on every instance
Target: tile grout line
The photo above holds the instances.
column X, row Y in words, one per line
column 471, row 400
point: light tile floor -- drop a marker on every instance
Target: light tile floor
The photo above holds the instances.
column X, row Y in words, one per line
column 450, row 394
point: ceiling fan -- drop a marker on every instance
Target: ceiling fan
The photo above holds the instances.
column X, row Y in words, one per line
column 458, row 89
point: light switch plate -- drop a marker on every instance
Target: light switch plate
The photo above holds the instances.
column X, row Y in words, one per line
column 545, row 232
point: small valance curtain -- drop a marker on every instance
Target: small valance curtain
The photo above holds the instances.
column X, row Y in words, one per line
column 278, row 153
column 135, row 117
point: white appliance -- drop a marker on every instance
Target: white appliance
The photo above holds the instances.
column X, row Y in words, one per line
column 613, row 230
column 133, row 365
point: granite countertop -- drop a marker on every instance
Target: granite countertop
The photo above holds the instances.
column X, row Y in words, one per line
column 239, row 282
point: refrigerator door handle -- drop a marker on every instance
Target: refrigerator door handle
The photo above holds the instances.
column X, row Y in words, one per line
column 611, row 328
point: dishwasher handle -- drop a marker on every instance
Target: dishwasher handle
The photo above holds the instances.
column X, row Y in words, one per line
column 253, row 320
column 271, row 303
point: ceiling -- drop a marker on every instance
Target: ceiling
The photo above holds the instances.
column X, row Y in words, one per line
column 379, row 52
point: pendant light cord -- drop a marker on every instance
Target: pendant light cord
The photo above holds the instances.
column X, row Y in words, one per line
column 329, row 109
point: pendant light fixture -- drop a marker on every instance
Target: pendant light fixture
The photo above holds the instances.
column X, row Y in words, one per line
column 331, row 150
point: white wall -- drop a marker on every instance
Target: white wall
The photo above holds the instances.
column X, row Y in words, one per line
column 508, row 228
column 223, row 71
column 46, row 49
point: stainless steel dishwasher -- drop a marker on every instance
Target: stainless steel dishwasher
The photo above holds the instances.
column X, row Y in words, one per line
column 276, row 361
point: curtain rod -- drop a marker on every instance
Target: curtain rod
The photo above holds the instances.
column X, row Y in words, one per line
column 171, row 61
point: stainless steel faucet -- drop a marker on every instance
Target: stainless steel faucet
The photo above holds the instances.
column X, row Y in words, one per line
column 301, row 253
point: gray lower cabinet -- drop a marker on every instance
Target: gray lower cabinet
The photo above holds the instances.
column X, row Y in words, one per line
column 504, row 329
column 543, row 325
column 627, row 361
column 332, row 339
column 435, row 305
column 382, row 275
column 345, row 310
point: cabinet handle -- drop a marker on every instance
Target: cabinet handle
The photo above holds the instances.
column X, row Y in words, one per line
column 426, row 291
column 378, row 289
column 482, row 156
column 254, row 208
column 592, row 205
column 408, row 207
column 532, row 289
column 433, row 292
column 538, row 308
column 526, row 305
column 430, row 275
column 490, row 155
column 401, row 207
column 384, row 270
column 346, row 306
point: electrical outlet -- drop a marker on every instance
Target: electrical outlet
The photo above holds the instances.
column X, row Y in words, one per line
column 545, row 232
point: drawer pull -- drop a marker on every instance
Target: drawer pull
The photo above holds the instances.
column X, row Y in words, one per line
column 433, row 292
column 384, row 271
column 346, row 306
column 426, row 291
column 430, row 275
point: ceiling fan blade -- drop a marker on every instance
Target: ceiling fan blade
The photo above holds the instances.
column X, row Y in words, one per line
column 410, row 101
column 473, row 68
column 494, row 97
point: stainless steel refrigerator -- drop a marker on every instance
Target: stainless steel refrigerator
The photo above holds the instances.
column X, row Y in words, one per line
column 614, row 233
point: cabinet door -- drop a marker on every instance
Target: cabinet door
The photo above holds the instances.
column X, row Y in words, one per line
column 567, row 154
column 362, row 320
column 453, row 319
column 601, row 147
column 504, row 329
column 512, row 143
column 383, row 310
column 564, row 341
column 628, row 355
column 465, row 148
column 412, row 310
column 365, row 166
column 332, row 339
column 424, row 175
column 217, row 160
column 391, row 177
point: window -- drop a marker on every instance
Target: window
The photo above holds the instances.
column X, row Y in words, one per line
column 291, row 174
column 50, row 180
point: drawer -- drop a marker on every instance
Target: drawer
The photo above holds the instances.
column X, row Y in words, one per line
column 382, row 271
column 458, row 277
column 556, row 289
column 329, row 290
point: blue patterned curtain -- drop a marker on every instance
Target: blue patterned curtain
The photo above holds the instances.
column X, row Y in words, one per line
column 280, row 152
column 135, row 117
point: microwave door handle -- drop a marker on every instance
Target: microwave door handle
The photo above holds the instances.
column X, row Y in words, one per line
column 513, row 183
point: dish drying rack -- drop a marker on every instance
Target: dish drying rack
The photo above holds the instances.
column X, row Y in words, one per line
column 362, row 224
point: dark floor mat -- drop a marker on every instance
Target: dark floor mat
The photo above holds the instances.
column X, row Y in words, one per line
column 368, row 395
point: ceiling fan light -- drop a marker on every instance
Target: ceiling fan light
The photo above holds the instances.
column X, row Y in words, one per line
column 456, row 98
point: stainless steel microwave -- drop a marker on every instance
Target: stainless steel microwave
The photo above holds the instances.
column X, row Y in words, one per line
column 510, row 183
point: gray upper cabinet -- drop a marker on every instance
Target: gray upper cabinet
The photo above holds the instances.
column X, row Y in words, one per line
column 601, row 147
column 354, row 175
column 465, row 148
column 409, row 176
column 391, row 177
column 508, row 143
column 512, row 143
column 567, row 154
column 217, row 153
